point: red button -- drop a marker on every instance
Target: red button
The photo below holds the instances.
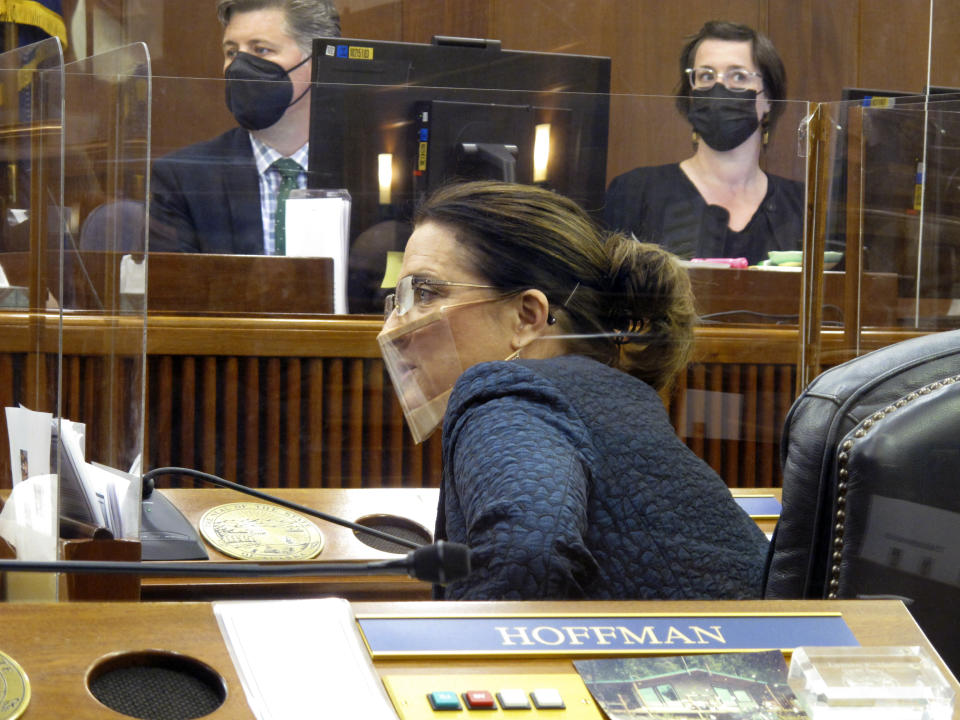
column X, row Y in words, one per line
column 479, row 700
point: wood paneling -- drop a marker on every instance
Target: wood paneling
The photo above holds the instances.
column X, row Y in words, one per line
column 893, row 44
column 564, row 26
column 184, row 111
column 422, row 19
column 944, row 68
column 374, row 21
column 826, row 45
column 819, row 43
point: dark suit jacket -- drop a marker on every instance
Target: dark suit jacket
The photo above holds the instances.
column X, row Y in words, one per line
column 206, row 198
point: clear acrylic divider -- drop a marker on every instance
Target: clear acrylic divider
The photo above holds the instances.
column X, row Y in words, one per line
column 892, row 208
column 31, row 118
column 730, row 404
column 87, row 155
column 303, row 397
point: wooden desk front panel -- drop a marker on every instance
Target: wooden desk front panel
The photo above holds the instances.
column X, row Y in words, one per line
column 57, row 644
column 336, row 422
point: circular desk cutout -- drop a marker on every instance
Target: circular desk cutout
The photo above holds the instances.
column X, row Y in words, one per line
column 14, row 688
column 394, row 525
column 157, row 685
column 258, row 531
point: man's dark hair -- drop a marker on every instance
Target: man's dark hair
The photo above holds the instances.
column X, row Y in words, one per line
column 306, row 19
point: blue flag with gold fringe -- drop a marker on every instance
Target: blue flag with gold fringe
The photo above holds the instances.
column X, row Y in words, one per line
column 35, row 15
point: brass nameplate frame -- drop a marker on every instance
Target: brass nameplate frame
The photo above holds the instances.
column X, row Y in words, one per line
column 597, row 634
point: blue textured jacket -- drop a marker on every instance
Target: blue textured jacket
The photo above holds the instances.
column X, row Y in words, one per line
column 567, row 480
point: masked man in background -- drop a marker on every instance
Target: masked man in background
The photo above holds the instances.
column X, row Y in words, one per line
column 220, row 196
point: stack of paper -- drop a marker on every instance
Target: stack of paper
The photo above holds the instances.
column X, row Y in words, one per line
column 302, row 658
column 318, row 225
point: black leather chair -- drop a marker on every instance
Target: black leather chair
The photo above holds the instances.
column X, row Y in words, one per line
column 871, row 486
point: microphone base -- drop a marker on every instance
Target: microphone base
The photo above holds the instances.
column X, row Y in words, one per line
column 166, row 534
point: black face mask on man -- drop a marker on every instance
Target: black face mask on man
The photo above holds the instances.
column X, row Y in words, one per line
column 259, row 91
column 723, row 118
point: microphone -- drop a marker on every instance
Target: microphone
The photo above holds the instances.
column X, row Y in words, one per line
column 440, row 563
column 149, row 484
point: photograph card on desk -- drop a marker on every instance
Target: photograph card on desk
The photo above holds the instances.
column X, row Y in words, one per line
column 736, row 686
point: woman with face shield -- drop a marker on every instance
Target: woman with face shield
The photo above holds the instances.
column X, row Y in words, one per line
column 718, row 203
column 540, row 343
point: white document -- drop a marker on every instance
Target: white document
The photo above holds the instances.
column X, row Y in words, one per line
column 28, row 433
column 80, row 496
column 318, row 225
column 133, row 276
column 28, row 520
column 121, row 492
column 302, row 659
column 29, row 523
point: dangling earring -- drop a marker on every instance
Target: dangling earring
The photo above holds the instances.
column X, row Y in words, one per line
column 695, row 139
column 765, row 127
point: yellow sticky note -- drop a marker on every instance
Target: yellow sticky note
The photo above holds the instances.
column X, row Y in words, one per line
column 394, row 258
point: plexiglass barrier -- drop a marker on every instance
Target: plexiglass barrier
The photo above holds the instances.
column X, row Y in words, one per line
column 32, row 179
column 252, row 378
column 77, row 154
column 269, row 389
column 894, row 201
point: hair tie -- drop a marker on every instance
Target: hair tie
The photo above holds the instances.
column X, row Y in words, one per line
column 622, row 337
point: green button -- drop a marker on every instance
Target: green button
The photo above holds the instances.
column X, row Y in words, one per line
column 444, row 700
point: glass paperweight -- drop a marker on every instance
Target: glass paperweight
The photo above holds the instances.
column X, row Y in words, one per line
column 879, row 683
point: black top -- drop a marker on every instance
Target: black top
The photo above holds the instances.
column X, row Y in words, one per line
column 660, row 204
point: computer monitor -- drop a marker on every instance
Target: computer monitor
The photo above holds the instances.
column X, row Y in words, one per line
column 943, row 90
column 391, row 121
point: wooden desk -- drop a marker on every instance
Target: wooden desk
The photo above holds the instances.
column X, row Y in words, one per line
column 184, row 283
column 340, row 544
column 58, row 644
column 418, row 506
column 766, row 522
column 773, row 296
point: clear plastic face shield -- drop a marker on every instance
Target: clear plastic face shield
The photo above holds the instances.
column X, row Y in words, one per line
column 423, row 364
column 421, row 354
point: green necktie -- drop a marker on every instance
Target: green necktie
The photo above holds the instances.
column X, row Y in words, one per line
column 289, row 172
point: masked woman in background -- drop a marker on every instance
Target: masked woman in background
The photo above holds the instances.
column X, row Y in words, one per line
column 718, row 203
column 561, row 470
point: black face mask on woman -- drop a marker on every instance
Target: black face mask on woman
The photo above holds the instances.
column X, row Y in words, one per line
column 723, row 118
column 258, row 91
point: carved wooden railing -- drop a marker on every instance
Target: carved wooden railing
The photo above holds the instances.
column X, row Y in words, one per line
column 305, row 402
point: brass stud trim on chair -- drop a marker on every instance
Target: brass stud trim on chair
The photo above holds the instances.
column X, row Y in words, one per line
column 843, row 458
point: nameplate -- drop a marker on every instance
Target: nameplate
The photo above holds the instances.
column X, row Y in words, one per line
column 759, row 506
column 599, row 635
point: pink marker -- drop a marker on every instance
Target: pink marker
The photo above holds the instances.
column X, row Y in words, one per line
column 738, row 262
